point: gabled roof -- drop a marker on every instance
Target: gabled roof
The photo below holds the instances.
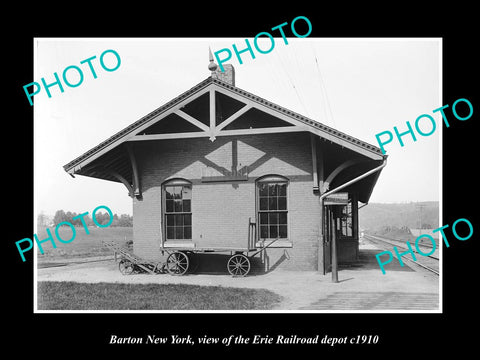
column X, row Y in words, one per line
column 300, row 122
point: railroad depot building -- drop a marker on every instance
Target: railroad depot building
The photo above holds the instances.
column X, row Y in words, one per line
column 219, row 168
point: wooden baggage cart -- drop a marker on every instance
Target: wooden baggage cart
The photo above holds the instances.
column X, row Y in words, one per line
column 179, row 259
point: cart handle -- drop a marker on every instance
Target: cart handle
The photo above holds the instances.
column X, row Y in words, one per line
column 264, row 247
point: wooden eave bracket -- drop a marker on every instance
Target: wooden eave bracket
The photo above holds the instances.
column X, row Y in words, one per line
column 123, row 181
column 135, row 177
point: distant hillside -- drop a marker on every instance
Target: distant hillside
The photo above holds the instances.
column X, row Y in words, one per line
column 422, row 215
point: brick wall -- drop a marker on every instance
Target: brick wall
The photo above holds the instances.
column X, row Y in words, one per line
column 221, row 210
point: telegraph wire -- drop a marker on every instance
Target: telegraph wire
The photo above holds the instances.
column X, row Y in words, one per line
column 328, row 108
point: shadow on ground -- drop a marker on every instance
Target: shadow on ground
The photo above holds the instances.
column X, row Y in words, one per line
column 216, row 264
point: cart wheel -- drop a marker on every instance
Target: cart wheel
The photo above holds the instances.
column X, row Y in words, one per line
column 177, row 263
column 126, row 267
column 238, row 265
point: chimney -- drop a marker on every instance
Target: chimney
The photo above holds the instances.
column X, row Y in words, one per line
column 228, row 75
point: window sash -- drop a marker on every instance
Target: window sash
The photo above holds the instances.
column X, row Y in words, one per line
column 273, row 224
column 272, row 209
column 177, row 212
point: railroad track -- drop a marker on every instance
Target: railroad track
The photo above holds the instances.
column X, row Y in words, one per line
column 430, row 263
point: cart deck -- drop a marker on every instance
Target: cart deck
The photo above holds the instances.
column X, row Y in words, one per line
column 207, row 249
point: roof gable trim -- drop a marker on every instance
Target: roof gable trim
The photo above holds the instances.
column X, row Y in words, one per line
column 298, row 123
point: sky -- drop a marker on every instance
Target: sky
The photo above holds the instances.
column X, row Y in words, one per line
column 358, row 86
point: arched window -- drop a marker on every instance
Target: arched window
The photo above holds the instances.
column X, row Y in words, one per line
column 272, row 206
column 177, row 209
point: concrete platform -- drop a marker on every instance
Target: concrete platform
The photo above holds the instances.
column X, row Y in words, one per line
column 361, row 288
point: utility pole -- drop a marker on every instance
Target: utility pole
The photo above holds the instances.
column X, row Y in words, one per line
column 421, row 207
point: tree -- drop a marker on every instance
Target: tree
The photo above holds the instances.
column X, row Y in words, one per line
column 101, row 218
column 68, row 216
column 125, row 220
column 59, row 217
column 42, row 220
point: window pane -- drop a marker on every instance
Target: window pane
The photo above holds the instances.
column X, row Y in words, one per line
column 177, row 192
column 282, row 203
column 282, row 218
column 178, row 220
column 349, row 226
column 187, row 219
column 168, row 192
column 186, row 193
column 170, row 232
column 272, row 203
column 178, row 205
column 263, row 232
column 263, row 189
column 273, row 231
column 187, row 205
column 282, row 230
column 273, row 218
column 282, row 189
column 272, row 189
column 178, row 232
column 263, row 203
column 263, row 218
column 169, row 206
column 170, row 220
column 187, row 232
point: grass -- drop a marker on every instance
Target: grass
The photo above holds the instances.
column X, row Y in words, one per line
column 113, row 296
column 84, row 244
